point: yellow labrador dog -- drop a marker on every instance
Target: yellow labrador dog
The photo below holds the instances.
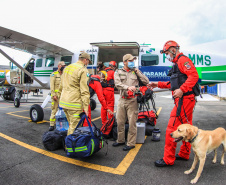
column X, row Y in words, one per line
column 202, row 142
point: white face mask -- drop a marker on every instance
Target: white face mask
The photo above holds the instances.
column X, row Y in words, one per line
column 169, row 57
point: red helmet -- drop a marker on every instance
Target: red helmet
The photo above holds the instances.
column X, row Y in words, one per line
column 113, row 63
column 169, row 44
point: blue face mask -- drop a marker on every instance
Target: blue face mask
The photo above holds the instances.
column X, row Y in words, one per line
column 131, row 65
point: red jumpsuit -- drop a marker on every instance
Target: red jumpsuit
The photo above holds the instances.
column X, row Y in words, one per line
column 185, row 66
column 109, row 96
column 96, row 86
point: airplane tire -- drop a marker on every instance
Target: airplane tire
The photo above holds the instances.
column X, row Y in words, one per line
column 36, row 113
column 93, row 104
column 12, row 95
column 5, row 97
column 16, row 102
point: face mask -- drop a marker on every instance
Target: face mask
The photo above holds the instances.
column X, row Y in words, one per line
column 169, row 57
column 62, row 68
column 131, row 65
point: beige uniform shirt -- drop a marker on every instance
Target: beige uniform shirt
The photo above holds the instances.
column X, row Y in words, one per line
column 55, row 79
column 74, row 89
column 124, row 79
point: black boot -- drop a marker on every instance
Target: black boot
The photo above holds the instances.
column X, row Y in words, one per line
column 161, row 163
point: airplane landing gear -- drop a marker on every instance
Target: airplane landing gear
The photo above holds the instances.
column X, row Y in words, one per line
column 16, row 102
column 18, row 95
column 36, row 113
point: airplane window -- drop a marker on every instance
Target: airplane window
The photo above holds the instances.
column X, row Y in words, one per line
column 50, row 62
column 66, row 59
column 39, row 62
column 149, row 60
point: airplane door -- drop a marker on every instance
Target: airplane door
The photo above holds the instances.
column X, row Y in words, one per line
column 30, row 68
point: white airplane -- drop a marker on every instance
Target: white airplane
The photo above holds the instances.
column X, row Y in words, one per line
column 36, row 73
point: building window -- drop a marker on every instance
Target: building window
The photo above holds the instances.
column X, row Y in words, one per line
column 149, row 60
column 66, row 59
column 39, row 62
column 50, row 62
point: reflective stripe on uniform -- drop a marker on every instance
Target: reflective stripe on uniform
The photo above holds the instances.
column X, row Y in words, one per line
column 70, row 104
column 52, row 119
column 76, row 115
column 56, row 90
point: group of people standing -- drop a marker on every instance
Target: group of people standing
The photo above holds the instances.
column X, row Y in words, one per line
column 73, row 86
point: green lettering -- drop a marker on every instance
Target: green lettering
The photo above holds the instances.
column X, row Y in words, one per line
column 199, row 59
column 164, row 58
column 208, row 61
column 192, row 58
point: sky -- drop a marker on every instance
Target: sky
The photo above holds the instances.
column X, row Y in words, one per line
column 74, row 24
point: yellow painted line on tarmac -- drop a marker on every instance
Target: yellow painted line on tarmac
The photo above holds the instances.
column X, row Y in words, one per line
column 12, row 114
column 158, row 112
column 98, row 118
column 12, row 106
column 119, row 170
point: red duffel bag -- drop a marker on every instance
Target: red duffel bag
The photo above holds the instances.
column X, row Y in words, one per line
column 149, row 117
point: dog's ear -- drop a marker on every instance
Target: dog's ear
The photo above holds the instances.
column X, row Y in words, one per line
column 190, row 134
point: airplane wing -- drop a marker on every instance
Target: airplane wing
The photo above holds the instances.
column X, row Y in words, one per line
column 22, row 42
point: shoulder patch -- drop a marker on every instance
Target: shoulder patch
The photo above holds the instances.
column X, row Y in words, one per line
column 87, row 74
column 133, row 72
column 52, row 74
column 187, row 65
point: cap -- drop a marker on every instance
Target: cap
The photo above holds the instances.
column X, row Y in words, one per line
column 62, row 63
column 128, row 57
column 84, row 55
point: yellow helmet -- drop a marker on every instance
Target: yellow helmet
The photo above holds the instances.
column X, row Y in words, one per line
column 104, row 74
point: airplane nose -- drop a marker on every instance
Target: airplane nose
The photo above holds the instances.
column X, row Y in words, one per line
column 8, row 77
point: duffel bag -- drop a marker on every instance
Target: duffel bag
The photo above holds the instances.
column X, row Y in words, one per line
column 106, row 128
column 54, row 140
column 115, row 132
column 85, row 141
column 149, row 117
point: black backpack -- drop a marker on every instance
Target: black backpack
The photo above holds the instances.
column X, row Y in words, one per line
column 53, row 140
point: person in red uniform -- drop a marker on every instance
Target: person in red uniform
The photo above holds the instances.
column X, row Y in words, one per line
column 95, row 87
column 108, row 88
column 184, row 100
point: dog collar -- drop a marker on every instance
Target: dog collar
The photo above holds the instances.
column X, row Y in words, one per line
column 191, row 141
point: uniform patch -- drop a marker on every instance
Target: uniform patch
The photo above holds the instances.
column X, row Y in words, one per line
column 133, row 72
column 187, row 65
column 87, row 74
column 52, row 75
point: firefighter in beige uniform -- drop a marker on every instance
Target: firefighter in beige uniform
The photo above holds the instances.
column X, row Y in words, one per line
column 75, row 91
column 55, row 79
column 126, row 79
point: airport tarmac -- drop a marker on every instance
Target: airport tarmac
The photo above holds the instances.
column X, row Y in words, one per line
column 24, row 160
